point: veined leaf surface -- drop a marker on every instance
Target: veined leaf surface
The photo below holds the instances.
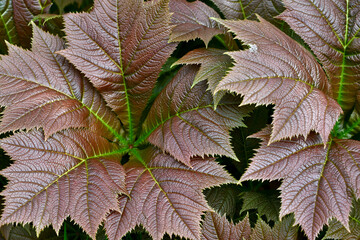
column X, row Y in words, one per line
column 317, row 181
column 120, row 46
column 277, row 70
column 7, row 25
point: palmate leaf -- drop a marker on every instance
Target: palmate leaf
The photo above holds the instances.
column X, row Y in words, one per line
column 331, row 29
column 182, row 121
column 74, row 173
column 24, row 12
column 277, row 70
column 41, row 89
column 7, row 26
column 317, row 181
column 165, row 196
column 120, row 46
column 214, row 66
column 193, row 20
column 215, row 227
column 247, row 9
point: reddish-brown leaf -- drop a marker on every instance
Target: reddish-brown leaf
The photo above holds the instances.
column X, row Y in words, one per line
column 317, row 181
column 331, row 29
column 121, row 46
column 192, row 20
column 183, row 123
column 74, row 173
column 41, row 89
column 277, row 70
column 24, row 12
column 215, row 227
column 165, row 196
column 214, row 66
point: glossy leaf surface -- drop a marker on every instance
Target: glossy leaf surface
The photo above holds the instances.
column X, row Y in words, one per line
column 277, row 70
column 7, row 25
column 317, row 181
column 162, row 202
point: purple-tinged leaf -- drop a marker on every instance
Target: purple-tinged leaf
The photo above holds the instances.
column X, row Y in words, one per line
column 192, row 20
column 331, row 29
column 74, row 173
column 247, row 9
column 7, row 26
column 277, row 70
column 120, row 46
column 337, row 231
column 215, row 227
column 165, row 196
column 24, row 12
column 183, row 123
column 282, row 230
column 41, row 89
column 317, row 181
column 214, row 66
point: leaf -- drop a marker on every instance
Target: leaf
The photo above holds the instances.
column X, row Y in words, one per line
column 193, row 20
column 7, row 27
column 332, row 32
column 317, row 181
column 164, row 196
column 223, row 199
column 282, row 230
column 277, row 70
column 214, row 66
column 265, row 202
column 24, row 12
column 27, row 232
column 337, row 231
column 63, row 3
column 73, row 173
column 216, row 227
column 121, row 54
column 247, row 9
column 182, row 121
column 41, row 89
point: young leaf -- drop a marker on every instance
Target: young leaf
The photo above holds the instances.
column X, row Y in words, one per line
column 317, row 181
column 7, row 26
column 120, row 46
column 165, row 196
column 215, row 227
column 332, row 32
column 214, row 66
column 223, row 199
column 24, row 12
column 282, row 230
column 192, row 20
column 182, row 121
column 337, row 231
column 41, row 89
column 247, row 9
column 277, row 70
column 74, row 173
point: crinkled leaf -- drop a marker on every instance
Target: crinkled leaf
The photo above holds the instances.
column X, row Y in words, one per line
column 247, row 9
column 27, row 232
column 165, row 196
column 24, row 12
column 282, row 230
column 265, row 202
column 223, row 199
column 215, row 227
column 75, row 173
column 331, row 29
column 183, row 123
column 277, row 70
column 214, row 66
column 7, row 26
column 317, row 181
column 41, row 89
column 192, row 20
column 337, row 231
column 121, row 46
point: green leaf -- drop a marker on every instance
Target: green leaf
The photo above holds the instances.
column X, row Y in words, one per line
column 223, row 199
column 7, row 26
